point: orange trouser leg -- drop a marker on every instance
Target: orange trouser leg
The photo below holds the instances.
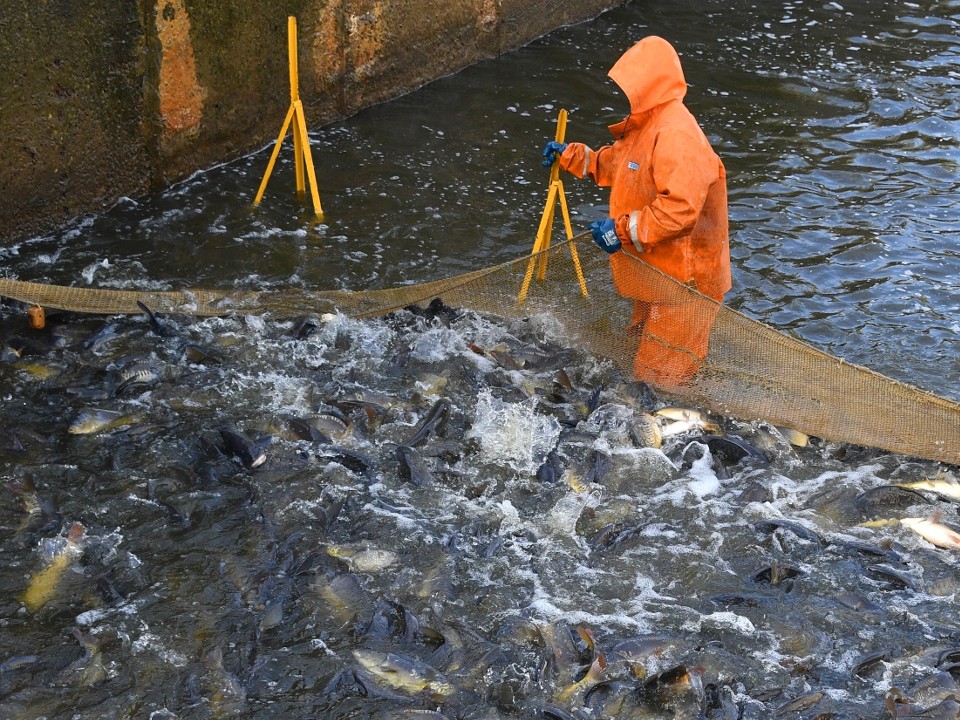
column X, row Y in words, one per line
column 673, row 341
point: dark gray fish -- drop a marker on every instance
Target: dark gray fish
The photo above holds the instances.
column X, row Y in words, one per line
column 593, row 400
column 331, row 420
column 303, row 429
column 10, row 442
column 200, row 355
column 546, row 473
column 251, row 454
column 865, row 665
column 739, row 599
column 155, row 323
column 436, row 310
column 755, row 492
column 610, row 535
column 18, row 662
column 273, row 615
column 413, row 468
column 101, row 336
column 884, row 498
column 678, row 689
column 866, row 548
column 637, row 650
column 350, row 459
column 606, row 699
column 137, row 376
column 801, row 531
column 854, row 601
column 435, row 422
column 599, row 464
column 227, row 695
column 731, row 450
column 892, row 576
column 934, row 688
column 948, row 657
column 946, row 709
column 799, row 704
column 328, row 513
column 371, row 414
column 777, row 574
column 304, row 327
column 562, row 380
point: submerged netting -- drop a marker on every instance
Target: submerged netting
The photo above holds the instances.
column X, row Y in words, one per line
column 673, row 338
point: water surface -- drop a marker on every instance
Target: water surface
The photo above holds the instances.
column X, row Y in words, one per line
column 205, row 588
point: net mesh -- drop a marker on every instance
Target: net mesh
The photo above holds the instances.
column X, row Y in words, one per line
column 678, row 341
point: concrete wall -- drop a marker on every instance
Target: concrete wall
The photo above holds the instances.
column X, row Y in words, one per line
column 106, row 98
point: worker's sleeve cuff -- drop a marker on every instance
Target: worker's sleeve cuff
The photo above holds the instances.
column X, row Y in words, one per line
column 630, row 228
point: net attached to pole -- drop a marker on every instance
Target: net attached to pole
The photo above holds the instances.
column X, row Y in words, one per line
column 735, row 366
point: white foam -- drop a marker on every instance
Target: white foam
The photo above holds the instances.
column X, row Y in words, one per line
column 513, row 434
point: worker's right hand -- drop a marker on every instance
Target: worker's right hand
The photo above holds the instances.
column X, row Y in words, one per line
column 552, row 151
column 605, row 235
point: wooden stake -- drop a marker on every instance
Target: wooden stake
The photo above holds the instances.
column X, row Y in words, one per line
column 545, row 230
column 303, row 163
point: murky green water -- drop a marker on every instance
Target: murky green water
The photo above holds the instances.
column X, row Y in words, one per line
column 203, row 587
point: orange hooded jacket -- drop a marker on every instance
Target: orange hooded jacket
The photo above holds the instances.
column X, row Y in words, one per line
column 668, row 192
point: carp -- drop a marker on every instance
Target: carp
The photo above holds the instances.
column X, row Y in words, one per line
column 90, row 421
column 403, row 673
column 62, row 552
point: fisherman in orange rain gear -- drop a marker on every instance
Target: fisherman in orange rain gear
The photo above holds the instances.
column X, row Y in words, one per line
column 668, row 206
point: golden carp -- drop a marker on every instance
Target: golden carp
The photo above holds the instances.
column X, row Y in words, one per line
column 794, row 437
column 63, row 551
column 95, row 420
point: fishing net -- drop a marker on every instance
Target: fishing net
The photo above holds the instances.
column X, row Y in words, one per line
column 678, row 341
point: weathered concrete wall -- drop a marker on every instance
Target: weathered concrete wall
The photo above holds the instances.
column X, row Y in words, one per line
column 102, row 99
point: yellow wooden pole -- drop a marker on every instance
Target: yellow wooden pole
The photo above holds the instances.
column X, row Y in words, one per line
column 298, row 140
column 538, row 244
column 273, row 156
column 574, row 256
column 560, row 134
column 303, row 162
column 302, row 125
column 544, row 231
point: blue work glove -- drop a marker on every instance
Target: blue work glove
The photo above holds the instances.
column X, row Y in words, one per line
column 552, row 151
column 605, row 235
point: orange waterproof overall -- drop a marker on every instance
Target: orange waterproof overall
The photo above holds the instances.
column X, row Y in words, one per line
column 668, row 197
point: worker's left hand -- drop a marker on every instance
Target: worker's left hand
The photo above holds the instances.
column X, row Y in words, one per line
column 605, row 235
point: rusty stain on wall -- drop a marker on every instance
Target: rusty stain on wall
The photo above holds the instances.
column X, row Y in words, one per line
column 488, row 16
column 181, row 96
column 365, row 35
column 327, row 48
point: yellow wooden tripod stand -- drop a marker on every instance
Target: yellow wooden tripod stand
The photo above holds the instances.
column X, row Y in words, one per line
column 546, row 224
column 301, row 142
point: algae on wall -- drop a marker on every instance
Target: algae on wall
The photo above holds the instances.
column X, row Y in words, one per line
column 104, row 99
column 71, row 109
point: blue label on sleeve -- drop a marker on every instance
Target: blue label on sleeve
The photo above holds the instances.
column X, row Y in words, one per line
column 633, row 166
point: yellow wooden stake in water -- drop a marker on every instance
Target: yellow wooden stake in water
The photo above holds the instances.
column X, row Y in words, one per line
column 545, row 230
column 301, row 142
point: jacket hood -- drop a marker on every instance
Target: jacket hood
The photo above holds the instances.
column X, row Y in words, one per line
column 649, row 74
